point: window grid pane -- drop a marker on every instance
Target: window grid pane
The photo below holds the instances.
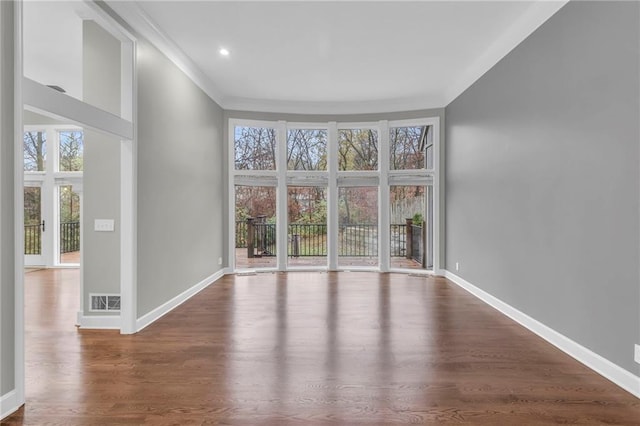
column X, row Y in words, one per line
column 357, row 149
column 407, row 147
column 71, row 151
column 255, row 148
column 35, row 151
column 306, row 149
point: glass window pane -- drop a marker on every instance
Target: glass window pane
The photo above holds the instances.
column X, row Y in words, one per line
column 35, row 151
column 32, row 220
column 358, row 226
column 407, row 147
column 69, row 225
column 357, row 149
column 307, row 211
column 255, row 227
column 306, row 149
column 407, row 213
column 255, row 148
column 71, row 150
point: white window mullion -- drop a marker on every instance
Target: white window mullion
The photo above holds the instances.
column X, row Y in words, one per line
column 49, row 203
column 436, row 197
column 383, row 201
column 282, row 220
column 332, row 196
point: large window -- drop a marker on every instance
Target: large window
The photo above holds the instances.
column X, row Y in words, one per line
column 334, row 195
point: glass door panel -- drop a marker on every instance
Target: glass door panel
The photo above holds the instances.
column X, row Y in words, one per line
column 69, row 215
column 307, row 228
column 407, row 213
column 34, row 226
column 358, row 227
column 255, row 227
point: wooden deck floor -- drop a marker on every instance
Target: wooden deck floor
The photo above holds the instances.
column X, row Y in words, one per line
column 244, row 262
column 306, row 348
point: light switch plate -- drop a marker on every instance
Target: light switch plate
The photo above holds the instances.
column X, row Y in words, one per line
column 104, row 225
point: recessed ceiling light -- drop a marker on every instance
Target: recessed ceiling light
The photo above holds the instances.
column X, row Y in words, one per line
column 224, row 52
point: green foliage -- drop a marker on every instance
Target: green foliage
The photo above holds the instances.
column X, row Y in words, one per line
column 417, row 219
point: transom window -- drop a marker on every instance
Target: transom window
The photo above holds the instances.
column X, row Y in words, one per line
column 255, row 148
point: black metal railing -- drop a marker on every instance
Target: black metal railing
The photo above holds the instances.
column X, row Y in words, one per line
column 398, row 240
column 32, row 239
column 241, row 234
column 69, row 237
column 358, row 240
column 265, row 238
column 308, row 239
column 416, row 243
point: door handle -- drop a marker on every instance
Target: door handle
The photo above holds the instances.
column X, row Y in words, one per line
column 43, row 227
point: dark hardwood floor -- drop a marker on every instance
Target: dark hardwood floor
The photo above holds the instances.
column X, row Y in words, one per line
column 306, row 348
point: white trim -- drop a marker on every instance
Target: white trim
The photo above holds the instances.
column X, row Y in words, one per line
column 332, row 196
column 42, row 98
column 436, row 196
column 19, row 350
column 9, row 404
column 384, row 195
column 167, row 307
column 98, row 322
column 427, row 101
column 537, row 14
column 599, row 364
column 145, row 26
column 282, row 197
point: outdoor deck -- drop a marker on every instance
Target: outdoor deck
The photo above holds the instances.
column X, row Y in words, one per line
column 243, row 262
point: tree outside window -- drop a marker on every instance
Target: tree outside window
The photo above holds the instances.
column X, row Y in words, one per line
column 71, row 151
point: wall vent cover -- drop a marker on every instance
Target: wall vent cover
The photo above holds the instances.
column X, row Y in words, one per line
column 105, row 303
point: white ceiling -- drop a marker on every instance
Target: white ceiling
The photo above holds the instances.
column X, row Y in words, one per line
column 335, row 57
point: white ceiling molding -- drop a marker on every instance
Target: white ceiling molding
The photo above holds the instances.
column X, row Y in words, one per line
column 144, row 25
column 367, row 107
column 537, row 14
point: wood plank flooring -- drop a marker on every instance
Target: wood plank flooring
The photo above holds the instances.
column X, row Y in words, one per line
column 306, row 348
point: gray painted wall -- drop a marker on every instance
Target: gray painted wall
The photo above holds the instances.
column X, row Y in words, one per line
column 180, row 181
column 7, row 224
column 101, row 177
column 543, row 178
column 345, row 118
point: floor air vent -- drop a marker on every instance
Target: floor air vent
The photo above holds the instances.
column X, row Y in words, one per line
column 105, row 303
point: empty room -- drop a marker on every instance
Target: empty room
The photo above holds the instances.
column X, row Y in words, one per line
column 319, row 212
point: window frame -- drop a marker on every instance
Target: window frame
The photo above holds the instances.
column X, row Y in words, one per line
column 333, row 179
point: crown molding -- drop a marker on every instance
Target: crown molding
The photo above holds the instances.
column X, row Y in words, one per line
column 142, row 24
column 361, row 107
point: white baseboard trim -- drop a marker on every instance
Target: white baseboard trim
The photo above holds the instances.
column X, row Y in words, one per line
column 618, row 375
column 163, row 309
column 9, row 404
column 100, row 322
